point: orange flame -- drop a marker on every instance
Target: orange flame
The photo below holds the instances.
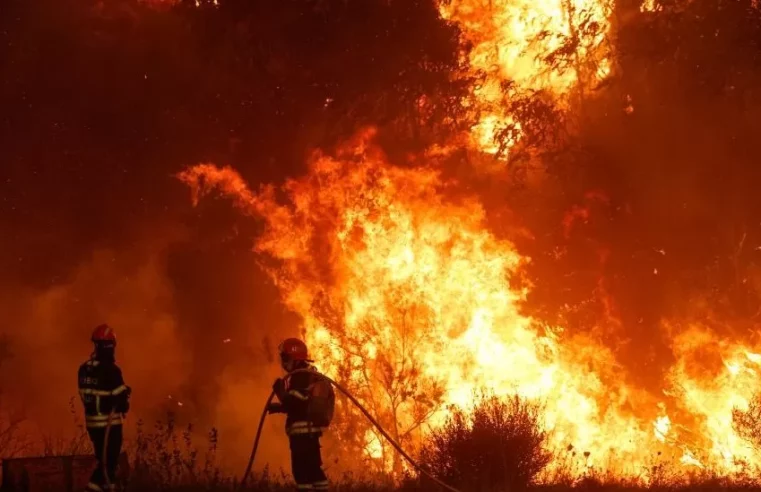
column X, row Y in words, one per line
column 711, row 377
column 554, row 46
column 399, row 283
column 396, row 276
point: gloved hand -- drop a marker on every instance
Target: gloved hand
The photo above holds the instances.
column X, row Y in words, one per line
column 122, row 405
column 279, row 387
column 275, row 408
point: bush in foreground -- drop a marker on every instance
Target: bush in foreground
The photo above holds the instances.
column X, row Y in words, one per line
column 498, row 445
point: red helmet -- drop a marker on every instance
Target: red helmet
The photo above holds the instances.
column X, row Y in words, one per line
column 294, row 349
column 103, row 334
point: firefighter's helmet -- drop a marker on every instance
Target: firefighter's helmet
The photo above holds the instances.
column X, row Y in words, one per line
column 294, row 349
column 104, row 334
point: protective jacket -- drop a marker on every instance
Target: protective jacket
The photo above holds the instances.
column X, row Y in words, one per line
column 102, row 390
column 294, row 399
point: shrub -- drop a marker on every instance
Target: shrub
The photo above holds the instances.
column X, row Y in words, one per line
column 167, row 457
column 498, row 445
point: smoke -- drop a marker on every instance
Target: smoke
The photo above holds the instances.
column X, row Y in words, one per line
column 48, row 331
column 204, row 374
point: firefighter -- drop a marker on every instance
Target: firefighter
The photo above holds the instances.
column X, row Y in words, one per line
column 106, row 400
column 302, row 427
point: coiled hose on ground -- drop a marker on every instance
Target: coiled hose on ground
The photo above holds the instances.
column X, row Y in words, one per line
column 375, row 423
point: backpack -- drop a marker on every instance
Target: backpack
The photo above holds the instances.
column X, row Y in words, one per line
column 322, row 401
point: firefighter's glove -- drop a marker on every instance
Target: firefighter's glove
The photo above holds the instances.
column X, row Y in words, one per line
column 275, row 408
column 278, row 387
column 122, row 401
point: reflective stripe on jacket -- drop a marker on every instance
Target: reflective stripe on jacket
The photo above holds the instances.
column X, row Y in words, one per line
column 103, row 393
column 302, row 427
column 95, row 421
column 295, row 399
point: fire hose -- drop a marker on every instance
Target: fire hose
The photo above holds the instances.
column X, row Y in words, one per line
column 375, row 423
column 104, row 454
column 104, row 457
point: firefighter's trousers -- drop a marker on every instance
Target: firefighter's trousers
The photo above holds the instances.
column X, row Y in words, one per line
column 97, row 436
column 306, row 462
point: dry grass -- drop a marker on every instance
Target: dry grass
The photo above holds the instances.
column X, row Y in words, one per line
column 498, row 446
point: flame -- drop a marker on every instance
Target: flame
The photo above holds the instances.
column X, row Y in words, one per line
column 662, row 426
column 553, row 46
column 711, row 377
column 398, row 283
column 648, row 6
column 690, row 460
column 374, row 445
column 409, row 300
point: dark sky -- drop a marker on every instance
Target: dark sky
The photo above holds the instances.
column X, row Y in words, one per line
column 101, row 103
column 104, row 101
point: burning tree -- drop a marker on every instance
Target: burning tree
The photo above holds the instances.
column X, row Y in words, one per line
column 526, row 51
column 747, row 422
column 407, row 299
column 347, row 261
column 403, row 286
column 388, row 375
